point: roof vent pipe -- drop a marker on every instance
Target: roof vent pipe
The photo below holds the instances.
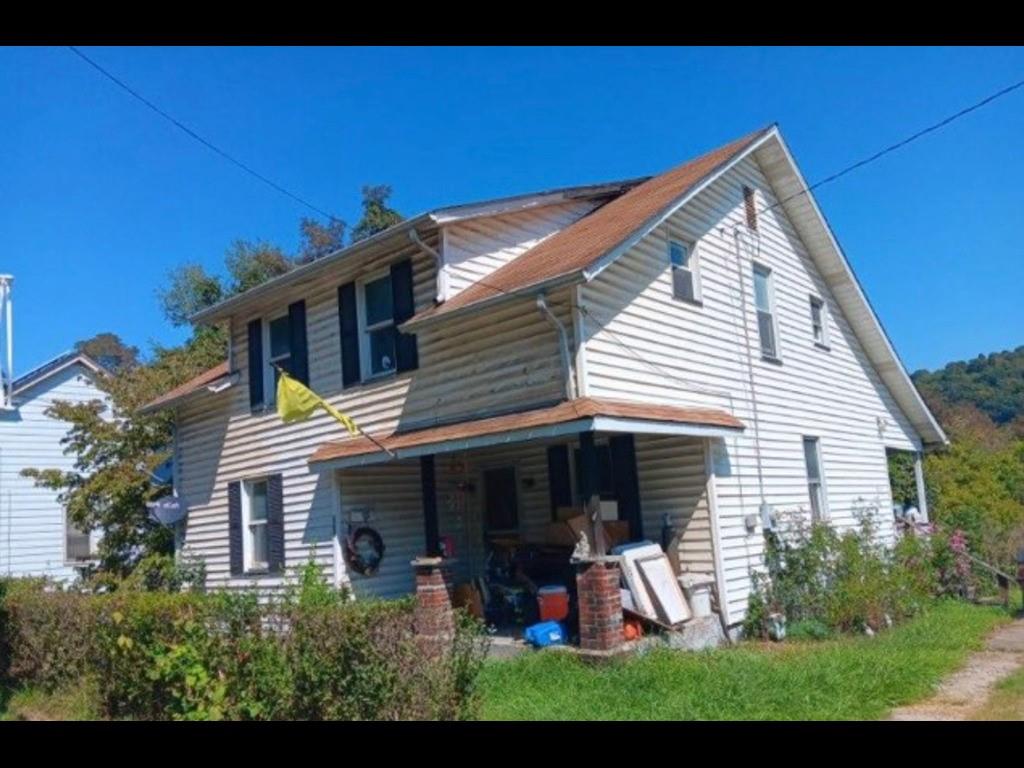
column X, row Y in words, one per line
column 441, row 284
column 563, row 345
column 7, row 319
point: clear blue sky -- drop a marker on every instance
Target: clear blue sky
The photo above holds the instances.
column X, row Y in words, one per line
column 99, row 197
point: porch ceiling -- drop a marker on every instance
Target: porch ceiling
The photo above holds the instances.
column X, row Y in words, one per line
column 585, row 414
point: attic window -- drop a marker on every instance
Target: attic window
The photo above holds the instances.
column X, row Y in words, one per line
column 682, row 260
column 749, row 205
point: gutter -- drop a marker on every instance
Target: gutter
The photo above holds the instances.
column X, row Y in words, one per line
column 441, row 279
column 563, row 345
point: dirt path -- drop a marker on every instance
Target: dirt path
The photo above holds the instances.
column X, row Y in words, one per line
column 967, row 690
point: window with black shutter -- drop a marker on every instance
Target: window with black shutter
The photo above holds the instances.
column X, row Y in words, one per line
column 369, row 313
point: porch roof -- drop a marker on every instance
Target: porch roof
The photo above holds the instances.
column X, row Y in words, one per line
column 583, row 414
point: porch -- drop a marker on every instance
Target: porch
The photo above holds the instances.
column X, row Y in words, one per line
column 503, row 501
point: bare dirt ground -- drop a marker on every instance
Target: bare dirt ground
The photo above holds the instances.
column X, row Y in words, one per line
column 966, row 691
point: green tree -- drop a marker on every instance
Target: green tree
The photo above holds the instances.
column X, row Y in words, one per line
column 377, row 216
column 108, row 350
column 253, row 263
column 189, row 289
column 318, row 240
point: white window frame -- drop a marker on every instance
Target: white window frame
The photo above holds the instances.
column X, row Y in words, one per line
column 366, row 369
column 269, row 389
column 817, row 301
column 675, row 238
column 758, row 266
column 249, row 564
column 823, row 512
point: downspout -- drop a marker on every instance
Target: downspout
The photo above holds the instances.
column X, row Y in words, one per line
column 441, row 282
column 563, row 345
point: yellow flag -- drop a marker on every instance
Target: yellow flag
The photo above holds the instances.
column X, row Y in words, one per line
column 296, row 402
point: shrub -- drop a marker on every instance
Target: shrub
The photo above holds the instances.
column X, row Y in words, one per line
column 311, row 653
column 47, row 634
column 823, row 581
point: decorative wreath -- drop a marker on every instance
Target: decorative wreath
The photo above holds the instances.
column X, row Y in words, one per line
column 364, row 549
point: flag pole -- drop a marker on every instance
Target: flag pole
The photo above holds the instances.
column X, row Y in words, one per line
column 363, row 432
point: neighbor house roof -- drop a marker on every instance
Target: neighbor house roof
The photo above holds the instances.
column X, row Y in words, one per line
column 581, row 414
column 584, row 242
column 53, row 367
column 207, row 378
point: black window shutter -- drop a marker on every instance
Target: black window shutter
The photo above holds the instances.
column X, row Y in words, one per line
column 349, row 325
column 559, row 487
column 404, row 306
column 299, row 364
column 275, row 524
column 256, row 364
column 235, row 528
column 627, row 483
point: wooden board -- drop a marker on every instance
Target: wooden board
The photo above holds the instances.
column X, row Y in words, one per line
column 635, row 581
column 663, row 587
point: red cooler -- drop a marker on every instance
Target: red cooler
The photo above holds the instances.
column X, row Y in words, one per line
column 553, row 603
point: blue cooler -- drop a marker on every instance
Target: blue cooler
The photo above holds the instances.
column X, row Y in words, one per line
column 545, row 633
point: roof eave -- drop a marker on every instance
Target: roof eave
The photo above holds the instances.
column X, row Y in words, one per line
column 214, row 386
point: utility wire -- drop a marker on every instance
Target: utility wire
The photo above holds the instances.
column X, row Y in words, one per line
column 209, row 145
column 900, row 144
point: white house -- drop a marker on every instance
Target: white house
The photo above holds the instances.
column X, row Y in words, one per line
column 36, row 538
column 693, row 347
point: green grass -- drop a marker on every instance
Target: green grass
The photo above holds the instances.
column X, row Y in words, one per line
column 33, row 704
column 850, row 678
column 1006, row 701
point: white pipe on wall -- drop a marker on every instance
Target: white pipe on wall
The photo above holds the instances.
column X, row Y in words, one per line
column 6, row 303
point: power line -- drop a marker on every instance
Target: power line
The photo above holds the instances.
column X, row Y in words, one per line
column 900, row 144
column 192, row 134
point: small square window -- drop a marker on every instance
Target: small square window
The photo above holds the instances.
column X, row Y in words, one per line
column 685, row 283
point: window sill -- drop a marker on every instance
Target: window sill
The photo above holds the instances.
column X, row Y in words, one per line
column 771, row 359
column 691, row 302
column 821, row 346
column 370, row 378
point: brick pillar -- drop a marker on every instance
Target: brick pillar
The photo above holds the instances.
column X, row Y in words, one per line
column 433, row 619
column 600, row 606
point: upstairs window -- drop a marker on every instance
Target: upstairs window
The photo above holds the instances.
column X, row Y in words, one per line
column 685, row 281
column 378, row 327
column 78, row 544
column 815, row 483
column 819, row 322
column 279, row 344
column 764, row 301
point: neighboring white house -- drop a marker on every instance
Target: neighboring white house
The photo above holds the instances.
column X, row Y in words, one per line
column 36, row 538
column 693, row 345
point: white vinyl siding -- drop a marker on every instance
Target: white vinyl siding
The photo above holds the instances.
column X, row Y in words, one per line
column 704, row 362
column 33, row 530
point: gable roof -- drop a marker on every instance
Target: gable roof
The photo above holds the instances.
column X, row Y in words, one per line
column 422, row 222
column 570, row 251
column 53, row 367
column 195, row 384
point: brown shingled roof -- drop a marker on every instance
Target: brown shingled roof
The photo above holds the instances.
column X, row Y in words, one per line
column 572, row 410
column 586, row 240
column 192, row 385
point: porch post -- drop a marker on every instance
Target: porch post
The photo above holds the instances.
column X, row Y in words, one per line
column 431, row 528
column 600, row 606
column 433, row 621
column 922, row 496
column 591, row 495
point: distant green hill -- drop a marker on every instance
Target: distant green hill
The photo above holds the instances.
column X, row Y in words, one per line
column 992, row 383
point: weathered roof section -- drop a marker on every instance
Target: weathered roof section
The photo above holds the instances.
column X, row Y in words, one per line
column 570, row 251
column 205, row 379
column 54, row 366
column 528, row 424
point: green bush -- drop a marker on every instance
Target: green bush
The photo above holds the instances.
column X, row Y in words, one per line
column 310, row 653
column 824, row 582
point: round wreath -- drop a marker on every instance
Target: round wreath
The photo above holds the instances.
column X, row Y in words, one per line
column 364, row 549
